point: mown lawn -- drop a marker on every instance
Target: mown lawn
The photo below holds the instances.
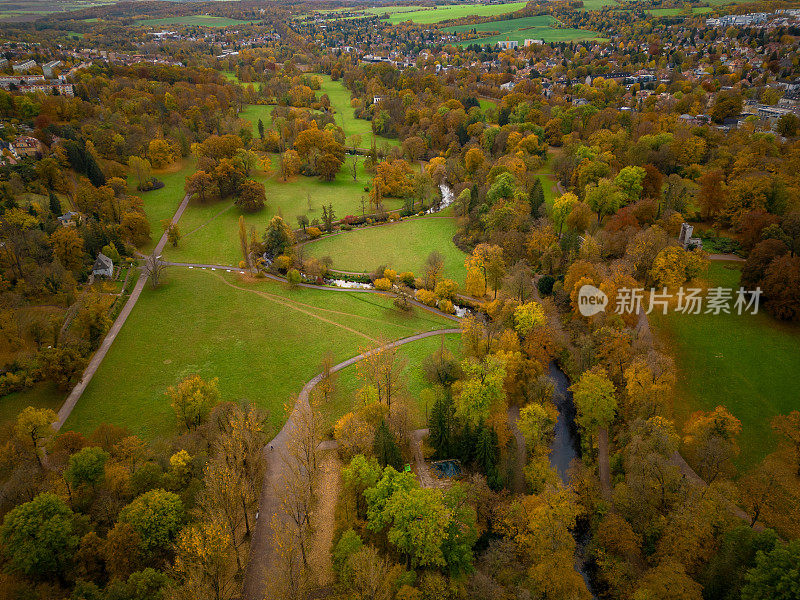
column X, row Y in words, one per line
column 445, row 13
column 261, row 339
column 747, row 363
column 210, row 231
column 40, row 396
column 540, row 27
column 161, row 204
column 412, row 355
column 340, row 97
column 402, row 246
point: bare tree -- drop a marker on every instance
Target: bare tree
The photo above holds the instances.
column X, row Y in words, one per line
column 153, row 267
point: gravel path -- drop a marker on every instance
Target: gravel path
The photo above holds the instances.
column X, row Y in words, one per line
column 261, row 549
column 116, row 327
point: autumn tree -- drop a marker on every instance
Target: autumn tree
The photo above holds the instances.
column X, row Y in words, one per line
column 68, row 247
column 40, row 538
column 252, row 196
column 192, row 399
column 711, row 440
column 711, row 197
column 596, row 402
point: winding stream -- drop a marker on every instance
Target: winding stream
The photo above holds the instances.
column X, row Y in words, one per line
column 565, row 448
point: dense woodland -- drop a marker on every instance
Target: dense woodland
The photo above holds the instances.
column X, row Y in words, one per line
column 110, row 516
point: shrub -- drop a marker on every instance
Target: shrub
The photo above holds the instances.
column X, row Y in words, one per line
column 394, row 217
column 446, row 306
column 313, row 232
column 406, row 277
column 383, row 284
column 346, row 227
column 427, row 297
column 446, row 289
column 293, row 276
column 282, row 263
column 390, row 274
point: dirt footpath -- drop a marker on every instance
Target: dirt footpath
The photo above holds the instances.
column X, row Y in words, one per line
column 327, row 493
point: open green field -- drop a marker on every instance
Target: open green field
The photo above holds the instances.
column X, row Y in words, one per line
column 39, row 396
column 674, row 12
column 445, row 13
column 263, row 340
column 254, row 112
column 340, row 96
column 412, row 355
column 161, row 204
column 540, row 27
column 403, row 246
column 202, row 20
column 598, row 4
column 210, row 231
column 746, row 363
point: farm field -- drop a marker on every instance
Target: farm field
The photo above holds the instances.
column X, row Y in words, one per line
column 402, row 246
column 210, row 230
column 161, row 204
column 598, row 4
column 445, row 13
column 743, row 362
column 348, row 381
column 340, row 100
column 539, row 27
column 263, row 340
column 201, row 20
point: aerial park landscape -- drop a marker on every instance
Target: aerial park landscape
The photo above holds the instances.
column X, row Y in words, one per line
column 406, row 301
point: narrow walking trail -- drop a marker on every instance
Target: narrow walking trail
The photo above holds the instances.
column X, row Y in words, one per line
column 94, row 364
column 262, row 552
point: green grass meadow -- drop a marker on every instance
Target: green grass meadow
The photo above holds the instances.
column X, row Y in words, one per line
column 340, row 97
column 161, row 204
column 210, row 231
column 540, row 27
column 412, row 355
column 402, row 246
column 747, row 363
column 262, row 340
column 447, row 12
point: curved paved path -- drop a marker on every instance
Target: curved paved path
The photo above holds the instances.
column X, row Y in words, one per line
column 261, row 550
column 100, row 354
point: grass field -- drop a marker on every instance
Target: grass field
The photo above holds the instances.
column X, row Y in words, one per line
column 210, row 230
column 540, row 27
column 674, row 12
column 746, row 363
column 598, row 4
column 161, row 204
column 340, row 100
column 445, row 13
column 263, row 340
column 403, row 246
column 203, row 20
column 39, row 396
column 348, row 381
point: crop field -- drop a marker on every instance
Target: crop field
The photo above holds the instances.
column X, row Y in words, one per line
column 402, row 246
column 446, row 13
column 598, row 4
column 744, row 362
column 200, row 20
column 540, row 27
column 262, row 340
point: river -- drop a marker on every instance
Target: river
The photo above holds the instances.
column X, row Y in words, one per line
column 565, row 448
